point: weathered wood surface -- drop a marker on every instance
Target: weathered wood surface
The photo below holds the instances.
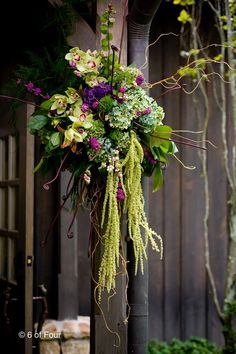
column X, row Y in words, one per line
column 180, row 302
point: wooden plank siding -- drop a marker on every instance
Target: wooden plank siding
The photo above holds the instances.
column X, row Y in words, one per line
column 180, row 302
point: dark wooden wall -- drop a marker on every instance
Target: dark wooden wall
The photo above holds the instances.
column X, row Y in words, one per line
column 180, row 296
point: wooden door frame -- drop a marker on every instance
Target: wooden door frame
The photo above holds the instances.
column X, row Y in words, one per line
column 28, row 141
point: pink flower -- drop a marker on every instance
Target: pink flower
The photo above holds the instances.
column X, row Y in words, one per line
column 122, row 89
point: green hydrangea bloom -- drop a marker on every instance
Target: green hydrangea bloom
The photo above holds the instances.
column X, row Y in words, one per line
column 121, row 115
column 97, row 130
column 120, row 139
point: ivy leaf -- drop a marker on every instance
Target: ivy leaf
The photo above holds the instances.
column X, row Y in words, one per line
column 157, row 178
column 161, row 136
column 55, row 139
column 37, row 122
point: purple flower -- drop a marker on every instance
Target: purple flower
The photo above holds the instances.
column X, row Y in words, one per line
column 122, row 89
column 139, row 80
column 29, row 86
column 95, row 104
column 47, row 97
column 120, row 195
column 148, row 110
column 37, row 91
column 94, row 94
column 84, row 107
column 94, row 143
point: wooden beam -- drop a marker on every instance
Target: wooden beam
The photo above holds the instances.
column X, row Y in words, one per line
column 29, row 231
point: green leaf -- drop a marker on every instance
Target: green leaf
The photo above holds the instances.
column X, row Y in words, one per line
column 166, row 147
column 157, row 178
column 46, row 104
column 109, row 36
column 82, row 167
column 103, row 18
column 103, row 29
column 184, row 17
column 105, row 44
column 218, row 57
column 187, row 71
column 159, row 154
column 174, row 149
column 37, row 122
column 106, row 104
column 161, row 136
column 55, row 139
column 194, row 51
column 111, row 22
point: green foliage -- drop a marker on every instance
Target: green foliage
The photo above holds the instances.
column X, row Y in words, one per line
column 107, row 21
column 183, row 2
column 184, row 17
column 37, row 122
column 194, row 345
column 228, row 327
column 106, row 104
column 157, row 178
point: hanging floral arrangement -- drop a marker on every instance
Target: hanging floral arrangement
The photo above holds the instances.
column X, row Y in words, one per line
column 108, row 133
